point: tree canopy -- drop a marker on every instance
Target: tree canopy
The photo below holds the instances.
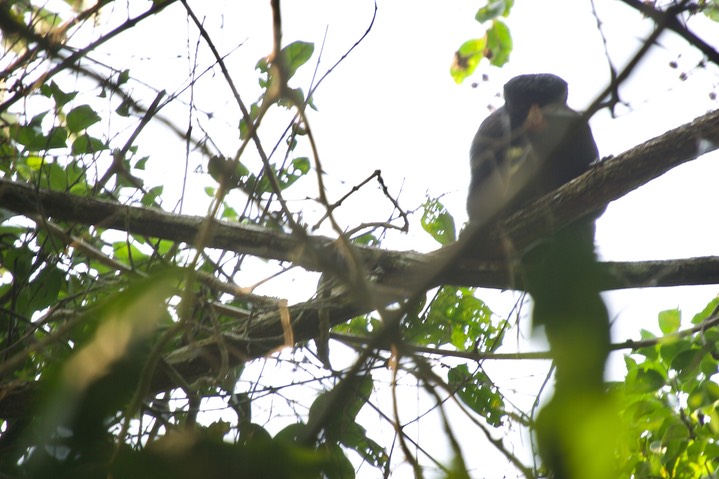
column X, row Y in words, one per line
column 191, row 288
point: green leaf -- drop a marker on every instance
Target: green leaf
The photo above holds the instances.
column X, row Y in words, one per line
column 478, row 393
column 41, row 292
column 57, row 138
column 300, row 167
column 494, row 9
column 670, row 320
column 705, row 395
column 339, row 467
column 301, row 164
column 123, row 77
column 687, row 363
column 140, row 165
column 669, row 349
column 706, row 312
column 27, row 135
column 296, row 54
column 262, row 65
column 127, row 252
column 244, row 127
column 437, row 221
column 148, row 199
column 9, row 231
column 221, row 170
column 457, row 317
column 293, row 96
column 124, row 108
column 499, row 43
column 47, row 20
column 37, row 119
column 359, row 325
column 467, row 57
column 81, row 117
column 54, row 177
column 709, row 365
column 229, row 213
column 355, row 437
column 86, row 144
column 367, row 239
column 711, row 10
column 35, row 162
column 355, row 396
column 648, row 381
column 61, row 98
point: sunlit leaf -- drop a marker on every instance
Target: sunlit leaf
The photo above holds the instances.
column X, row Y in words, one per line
column 499, row 43
column 437, row 221
column 301, row 164
column 706, row 312
column 494, row 9
column 296, row 54
column 670, row 320
column 467, row 57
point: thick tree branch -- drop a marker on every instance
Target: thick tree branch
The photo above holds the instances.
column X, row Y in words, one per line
column 606, row 182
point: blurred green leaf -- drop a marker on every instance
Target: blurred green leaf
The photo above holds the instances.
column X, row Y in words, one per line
column 81, row 117
column 710, row 8
column 494, row 9
column 61, row 98
column 244, row 127
column 123, row 77
column 477, row 392
column 339, row 467
column 296, row 54
column 28, row 136
column 150, row 198
column 57, row 138
column 127, row 253
column 226, row 171
column 707, row 311
column 670, row 320
column 456, row 317
column 499, row 43
column 342, row 426
column 648, row 381
column 467, row 57
column 669, row 349
column 123, row 108
column 437, row 221
column 687, row 363
column 301, row 164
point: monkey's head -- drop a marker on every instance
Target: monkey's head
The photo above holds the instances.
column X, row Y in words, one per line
column 524, row 91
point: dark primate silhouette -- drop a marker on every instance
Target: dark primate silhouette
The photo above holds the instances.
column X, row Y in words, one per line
column 530, row 146
column 527, row 148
